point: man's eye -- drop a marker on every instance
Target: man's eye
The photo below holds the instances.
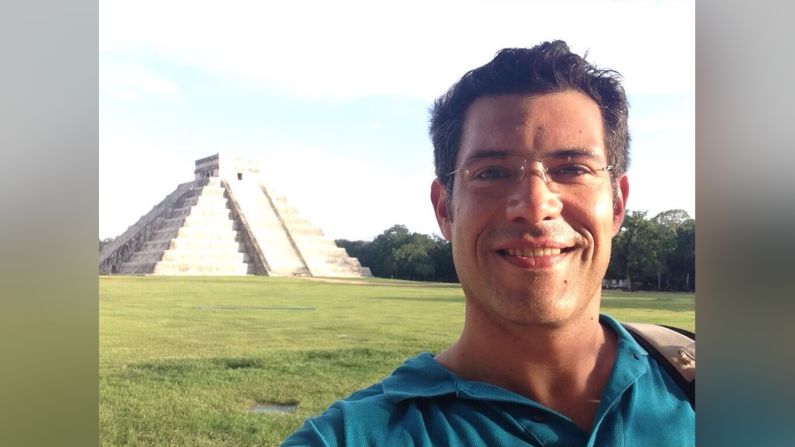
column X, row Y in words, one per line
column 492, row 173
column 573, row 170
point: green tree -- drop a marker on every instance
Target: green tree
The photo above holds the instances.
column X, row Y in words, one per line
column 442, row 255
column 398, row 253
column 635, row 248
column 413, row 260
column 663, row 245
column 646, row 252
column 385, row 244
column 672, row 219
column 682, row 262
column 669, row 224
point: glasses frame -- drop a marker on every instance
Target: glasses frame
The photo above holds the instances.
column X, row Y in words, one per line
column 544, row 171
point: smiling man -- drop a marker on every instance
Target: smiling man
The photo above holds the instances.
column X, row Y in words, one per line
column 531, row 152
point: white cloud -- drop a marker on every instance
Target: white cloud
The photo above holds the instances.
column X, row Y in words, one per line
column 343, row 50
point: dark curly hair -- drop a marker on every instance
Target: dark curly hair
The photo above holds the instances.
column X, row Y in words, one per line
column 546, row 68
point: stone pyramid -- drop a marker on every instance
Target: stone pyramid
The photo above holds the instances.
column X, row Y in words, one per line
column 225, row 222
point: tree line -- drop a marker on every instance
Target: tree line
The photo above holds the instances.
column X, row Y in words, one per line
column 648, row 254
column 399, row 253
column 657, row 253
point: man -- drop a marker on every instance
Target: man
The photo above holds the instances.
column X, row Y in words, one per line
column 531, row 152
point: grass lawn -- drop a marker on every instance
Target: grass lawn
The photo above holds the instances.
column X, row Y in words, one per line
column 182, row 359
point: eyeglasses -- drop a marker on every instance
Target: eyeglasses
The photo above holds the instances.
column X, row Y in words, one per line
column 497, row 175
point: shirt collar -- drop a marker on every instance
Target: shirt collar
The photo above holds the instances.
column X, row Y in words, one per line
column 625, row 339
column 419, row 376
column 423, row 376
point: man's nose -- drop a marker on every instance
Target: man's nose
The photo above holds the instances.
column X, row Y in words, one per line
column 533, row 200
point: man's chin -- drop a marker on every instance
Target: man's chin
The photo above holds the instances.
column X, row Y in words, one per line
column 541, row 301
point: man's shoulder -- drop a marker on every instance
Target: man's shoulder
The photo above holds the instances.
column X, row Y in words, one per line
column 364, row 411
column 669, row 353
column 366, row 407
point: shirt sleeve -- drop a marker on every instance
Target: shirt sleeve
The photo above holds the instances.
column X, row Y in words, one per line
column 322, row 431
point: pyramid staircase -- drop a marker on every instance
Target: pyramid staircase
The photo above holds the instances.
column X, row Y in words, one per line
column 321, row 255
column 222, row 225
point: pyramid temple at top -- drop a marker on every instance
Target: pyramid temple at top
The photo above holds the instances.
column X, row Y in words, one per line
column 225, row 222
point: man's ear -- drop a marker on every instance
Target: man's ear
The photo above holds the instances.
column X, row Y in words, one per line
column 620, row 202
column 439, row 202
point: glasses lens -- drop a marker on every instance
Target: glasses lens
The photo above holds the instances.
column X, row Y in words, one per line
column 493, row 175
column 573, row 170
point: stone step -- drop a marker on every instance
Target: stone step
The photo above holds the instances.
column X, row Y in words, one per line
column 166, row 223
column 296, row 271
column 207, row 232
column 208, row 244
column 188, row 200
column 209, row 212
column 136, row 268
column 212, row 190
column 297, row 221
column 156, row 245
column 179, row 212
column 163, row 234
column 218, row 219
column 213, row 201
column 177, row 268
column 146, row 256
column 173, row 222
column 204, row 256
column 306, row 230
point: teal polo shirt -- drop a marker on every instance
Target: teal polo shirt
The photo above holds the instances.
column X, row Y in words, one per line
column 424, row 404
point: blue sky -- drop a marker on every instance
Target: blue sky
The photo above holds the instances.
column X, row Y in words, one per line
column 334, row 97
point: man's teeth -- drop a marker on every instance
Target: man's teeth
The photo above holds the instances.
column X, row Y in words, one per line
column 530, row 252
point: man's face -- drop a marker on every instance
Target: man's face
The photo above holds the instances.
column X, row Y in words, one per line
column 531, row 255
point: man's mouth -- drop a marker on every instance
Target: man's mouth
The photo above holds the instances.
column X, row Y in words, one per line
column 534, row 257
column 533, row 252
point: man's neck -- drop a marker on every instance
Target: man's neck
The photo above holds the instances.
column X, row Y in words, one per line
column 564, row 367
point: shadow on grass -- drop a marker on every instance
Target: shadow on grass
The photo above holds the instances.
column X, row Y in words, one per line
column 276, row 362
column 241, row 363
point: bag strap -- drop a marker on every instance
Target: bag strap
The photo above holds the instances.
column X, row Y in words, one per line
column 673, row 348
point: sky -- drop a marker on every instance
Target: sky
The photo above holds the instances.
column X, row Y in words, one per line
column 333, row 97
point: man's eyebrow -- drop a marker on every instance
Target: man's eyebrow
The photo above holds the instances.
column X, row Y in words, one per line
column 557, row 153
column 490, row 153
column 572, row 152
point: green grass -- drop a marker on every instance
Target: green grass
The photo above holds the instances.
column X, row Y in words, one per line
column 182, row 359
